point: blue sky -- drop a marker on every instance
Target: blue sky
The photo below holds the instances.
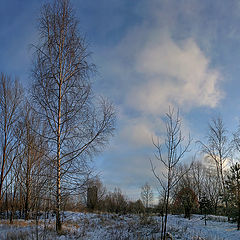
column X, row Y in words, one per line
column 149, row 54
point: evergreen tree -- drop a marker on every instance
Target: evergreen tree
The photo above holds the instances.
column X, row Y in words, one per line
column 233, row 190
column 204, row 206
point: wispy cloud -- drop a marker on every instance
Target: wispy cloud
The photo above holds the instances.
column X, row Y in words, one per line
column 173, row 74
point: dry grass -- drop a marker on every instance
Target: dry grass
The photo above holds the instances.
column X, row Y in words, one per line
column 19, row 223
column 18, row 236
column 67, row 226
column 26, row 230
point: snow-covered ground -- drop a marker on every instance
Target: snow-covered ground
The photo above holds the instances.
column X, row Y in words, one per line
column 111, row 226
column 217, row 228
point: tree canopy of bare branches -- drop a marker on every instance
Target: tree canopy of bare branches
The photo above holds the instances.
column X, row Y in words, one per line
column 169, row 155
column 146, row 195
column 11, row 97
column 218, row 149
column 78, row 125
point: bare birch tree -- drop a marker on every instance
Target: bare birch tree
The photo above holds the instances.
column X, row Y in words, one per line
column 218, row 149
column 63, row 98
column 198, row 172
column 146, row 195
column 10, row 106
column 34, row 150
column 169, row 155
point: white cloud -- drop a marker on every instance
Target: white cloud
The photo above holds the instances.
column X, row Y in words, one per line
column 138, row 132
column 173, row 74
column 150, row 71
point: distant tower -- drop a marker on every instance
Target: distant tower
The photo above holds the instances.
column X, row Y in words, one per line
column 92, row 197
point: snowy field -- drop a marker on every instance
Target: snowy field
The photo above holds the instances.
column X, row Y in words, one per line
column 110, row 226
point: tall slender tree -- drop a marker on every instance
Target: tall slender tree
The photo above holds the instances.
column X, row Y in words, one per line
column 62, row 94
column 146, row 195
column 233, row 190
column 11, row 97
column 218, row 149
column 169, row 155
column 34, row 150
